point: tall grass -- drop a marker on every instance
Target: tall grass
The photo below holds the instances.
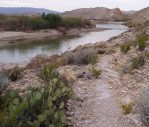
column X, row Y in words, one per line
column 53, row 21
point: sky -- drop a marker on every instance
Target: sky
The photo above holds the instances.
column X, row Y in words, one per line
column 66, row 5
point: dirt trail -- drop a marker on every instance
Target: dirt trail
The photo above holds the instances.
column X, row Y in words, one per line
column 99, row 106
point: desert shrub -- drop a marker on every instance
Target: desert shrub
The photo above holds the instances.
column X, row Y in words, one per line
column 134, row 63
column 127, row 108
column 47, row 72
column 143, row 105
column 81, row 56
column 4, row 80
column 125, row 47
column 95, row 72
column 141, row 40
column 14, row 73
column 137, row 62
column 69, row 57
column 39, row 107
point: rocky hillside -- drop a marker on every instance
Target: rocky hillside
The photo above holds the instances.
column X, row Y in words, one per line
column 141, row 16
column 98, row 13
column 129, row 14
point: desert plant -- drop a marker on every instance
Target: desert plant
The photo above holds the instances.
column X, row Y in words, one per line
column 96, row 72
column 125, row 47
column 127, row 108
column 82, row 56
column 141, row 41
column 143, row 105
column 47, row 72
column 14, row 73
column 137, row 62
column 4, row 81
column 134, row 63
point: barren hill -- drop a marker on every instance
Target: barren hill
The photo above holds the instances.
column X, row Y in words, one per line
column 142, row 16
column 98, row 13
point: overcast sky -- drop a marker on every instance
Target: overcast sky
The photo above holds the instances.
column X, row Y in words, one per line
column 64, row 5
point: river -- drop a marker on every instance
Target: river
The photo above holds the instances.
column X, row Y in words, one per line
column 24, row 52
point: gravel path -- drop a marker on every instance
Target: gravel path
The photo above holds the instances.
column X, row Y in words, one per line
column 98, row 106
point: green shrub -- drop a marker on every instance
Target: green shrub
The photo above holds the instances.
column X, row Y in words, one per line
column 127, row 108
column 47, row 72
column 134, row 63
column 55, row 20
column 39, row 107
column 143, row 105
column 125, row 47
column 137, row 62
column 96, row 72
column 141, row 41
column 81, row 56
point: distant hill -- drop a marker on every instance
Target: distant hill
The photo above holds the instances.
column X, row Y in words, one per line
column 98, row 13
column 141, row 16
column 24, row 10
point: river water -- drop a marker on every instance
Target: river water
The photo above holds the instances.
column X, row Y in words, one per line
column 24, row 52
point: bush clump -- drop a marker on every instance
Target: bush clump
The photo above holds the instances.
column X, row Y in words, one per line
column 14, row 73
column 125, row 47
column 7, row 76
column 138, row 62
column 134, row 63
column 96, row 72
column 141, row 41
column 81, row 56
column 143, row 105
column 47, row 72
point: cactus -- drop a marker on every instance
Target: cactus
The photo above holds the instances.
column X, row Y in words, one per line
column 44, row 106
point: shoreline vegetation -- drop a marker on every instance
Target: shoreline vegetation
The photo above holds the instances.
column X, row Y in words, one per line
column 17, row 29
column 44, row 21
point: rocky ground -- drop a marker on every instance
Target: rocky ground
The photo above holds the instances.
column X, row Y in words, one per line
column 97, row 102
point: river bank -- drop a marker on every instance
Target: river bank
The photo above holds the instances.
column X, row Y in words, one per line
column 10, row 37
